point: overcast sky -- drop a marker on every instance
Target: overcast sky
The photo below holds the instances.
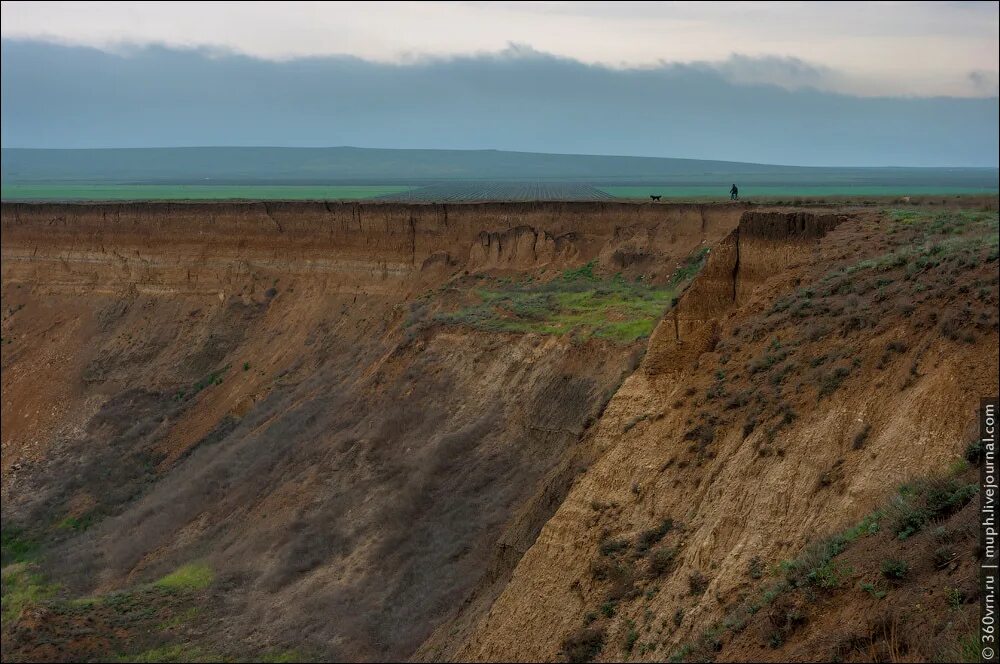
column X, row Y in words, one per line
column 871, row 48
column 874, row 83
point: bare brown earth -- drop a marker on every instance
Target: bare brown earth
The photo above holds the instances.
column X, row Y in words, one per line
column 240, row 386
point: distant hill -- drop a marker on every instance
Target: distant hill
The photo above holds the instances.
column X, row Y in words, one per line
column 269, row 165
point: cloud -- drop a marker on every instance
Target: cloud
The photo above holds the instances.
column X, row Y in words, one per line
column 744, row 109
column 909, row 48
column 985, row 82
column 786, row 72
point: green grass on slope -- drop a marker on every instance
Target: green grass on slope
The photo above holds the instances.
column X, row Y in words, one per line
column 22, row 585
column 189, row 577
column 577, row 303
column 177, row 652
column 127, row 192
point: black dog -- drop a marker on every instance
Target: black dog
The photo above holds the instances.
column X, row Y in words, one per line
column 655, row 198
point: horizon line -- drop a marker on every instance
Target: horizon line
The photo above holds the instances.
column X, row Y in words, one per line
column 527, row 152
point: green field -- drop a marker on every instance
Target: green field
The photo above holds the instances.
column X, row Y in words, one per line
column 790, row 191
column 174, row 192
column 466, row 191
column 345, row 173
column 455, row 191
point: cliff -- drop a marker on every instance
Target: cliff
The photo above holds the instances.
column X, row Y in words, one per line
column 445, row 431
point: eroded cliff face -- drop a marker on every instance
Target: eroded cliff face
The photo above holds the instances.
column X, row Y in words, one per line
column 264, row 389
column 737, row 441
column 763, row 245
column 352, row 247
column 241, row 385
column 366, row 258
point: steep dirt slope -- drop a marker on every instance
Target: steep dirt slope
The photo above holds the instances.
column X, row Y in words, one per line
column 242, row 387
column 902, row 585
column 815, row 365
column 235, row 259
column 365, row 431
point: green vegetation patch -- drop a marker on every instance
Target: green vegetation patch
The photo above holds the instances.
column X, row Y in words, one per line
column 78, row 523
column 141, row 624
column 192, row 192
column 283, row 656
column 178, row 652
column 16, row 546
column 577, row 303
column 967, row 235
column 22, row 585
column 194, row 576
column 214, row 378
column 924, row 501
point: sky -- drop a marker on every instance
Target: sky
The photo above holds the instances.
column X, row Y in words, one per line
column 879, row 83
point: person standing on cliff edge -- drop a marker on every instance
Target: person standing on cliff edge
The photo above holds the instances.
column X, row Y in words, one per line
column 734, row 194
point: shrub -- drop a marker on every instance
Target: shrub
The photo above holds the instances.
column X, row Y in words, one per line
column 622, row 578
column 600, row 570
column 583, row 645
column 788, row 415
column 585, row 272
column 832, row 381
column 895, row 569
column 945, row 497
column 662, row 561
column 214, row 378
column 922, row 502
column 826, row 576
column 896, row 347
column 612, row 546
column 739, row 400
column 974, row 452
column 861, row 437
column 813, row 566
column 766, row 362
column 873, row 591
column 697, row 583
column 716, row 391
column 950, row 328
column 703, row 434
column 630, row 638
column 909, row 519
column 817, row 332
column 650, row 537
column 943, row 556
